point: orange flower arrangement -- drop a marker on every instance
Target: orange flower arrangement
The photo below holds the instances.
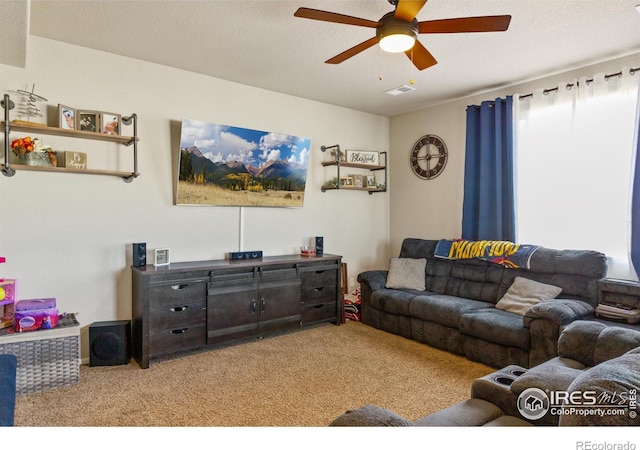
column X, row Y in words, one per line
column 22, row 145
column 27, row 145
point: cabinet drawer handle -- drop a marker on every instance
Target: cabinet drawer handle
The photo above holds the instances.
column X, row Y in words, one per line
column 318, row 306
column 177, row 287
column 179, row 308
column 318, row 289
column 179, row 331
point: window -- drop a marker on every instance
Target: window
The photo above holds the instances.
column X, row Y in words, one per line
column 574, row 153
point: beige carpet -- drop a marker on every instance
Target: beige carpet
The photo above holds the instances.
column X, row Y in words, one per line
column 306, row 378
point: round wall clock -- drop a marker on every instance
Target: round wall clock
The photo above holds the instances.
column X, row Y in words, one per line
column 429, row 156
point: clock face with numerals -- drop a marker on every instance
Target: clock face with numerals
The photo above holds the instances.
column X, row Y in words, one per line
column 429, row 156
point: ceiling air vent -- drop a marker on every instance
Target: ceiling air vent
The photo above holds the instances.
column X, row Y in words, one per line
column 400, row 90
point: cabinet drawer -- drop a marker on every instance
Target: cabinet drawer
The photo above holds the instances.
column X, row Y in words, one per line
column 319, row 294
column 319, row 312
column 320, row 277
column 177, row 339
column 178, row 293
column 177, row 317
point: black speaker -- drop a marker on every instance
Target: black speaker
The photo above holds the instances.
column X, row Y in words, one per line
column 109, row 343
column 139, row 254
column 245, row 255
column 319, row 245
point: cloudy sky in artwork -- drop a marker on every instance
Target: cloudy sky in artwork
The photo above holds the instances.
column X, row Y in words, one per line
column 223, row 143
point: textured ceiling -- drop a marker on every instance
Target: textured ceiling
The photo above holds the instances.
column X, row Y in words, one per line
column 260, row 43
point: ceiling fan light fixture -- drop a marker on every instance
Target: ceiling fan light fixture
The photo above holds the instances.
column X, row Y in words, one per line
column 396, row 35
column 397, row 43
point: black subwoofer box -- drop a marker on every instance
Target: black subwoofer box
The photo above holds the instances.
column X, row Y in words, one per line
column 109, row 343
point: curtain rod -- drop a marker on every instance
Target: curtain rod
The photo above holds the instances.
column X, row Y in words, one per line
column 589, row 80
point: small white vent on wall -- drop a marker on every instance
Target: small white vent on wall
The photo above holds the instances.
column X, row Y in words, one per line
column 400, row 90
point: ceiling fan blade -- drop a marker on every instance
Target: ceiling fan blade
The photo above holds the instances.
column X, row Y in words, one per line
column 326, row 16
column 420, row 56
column 352, row 51
column 408, row 9
column 465, row 25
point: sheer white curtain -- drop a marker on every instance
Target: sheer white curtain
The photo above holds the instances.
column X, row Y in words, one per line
column 574, row 153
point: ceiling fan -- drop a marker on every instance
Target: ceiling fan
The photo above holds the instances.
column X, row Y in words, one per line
column 397, row 31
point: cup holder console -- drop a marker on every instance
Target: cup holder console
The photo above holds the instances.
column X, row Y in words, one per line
column 496, row 388
column 504, row 380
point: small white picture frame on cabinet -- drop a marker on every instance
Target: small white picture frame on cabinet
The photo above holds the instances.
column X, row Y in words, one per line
column 162, row 257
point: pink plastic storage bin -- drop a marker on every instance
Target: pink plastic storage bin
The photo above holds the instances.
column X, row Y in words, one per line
column 36, row 314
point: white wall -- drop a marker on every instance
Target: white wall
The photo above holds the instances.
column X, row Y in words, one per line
column 69, row 236
column 432, row 209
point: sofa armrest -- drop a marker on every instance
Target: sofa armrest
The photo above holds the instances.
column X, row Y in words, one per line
column 545, row 321
column 370, row 416
column 561, row 311
column 592, row 343
column 374, row 279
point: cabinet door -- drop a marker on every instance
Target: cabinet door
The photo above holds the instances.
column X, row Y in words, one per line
column 279, row 301
column 232, row 308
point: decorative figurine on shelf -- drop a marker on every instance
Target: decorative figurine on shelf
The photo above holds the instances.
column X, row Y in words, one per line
column 29, row 107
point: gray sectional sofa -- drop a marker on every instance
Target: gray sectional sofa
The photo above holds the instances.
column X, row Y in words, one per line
column 595, row 381
column 455, row 308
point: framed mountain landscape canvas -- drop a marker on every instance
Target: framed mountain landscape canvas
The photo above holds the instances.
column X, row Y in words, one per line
column 223, row 165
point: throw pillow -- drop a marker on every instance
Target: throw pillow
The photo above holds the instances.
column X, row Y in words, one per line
column 406, row 273
column 524, row 293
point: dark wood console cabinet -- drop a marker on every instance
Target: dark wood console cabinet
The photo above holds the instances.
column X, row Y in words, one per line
column 189, row 305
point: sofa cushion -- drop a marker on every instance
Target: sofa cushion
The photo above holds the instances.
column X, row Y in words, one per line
column 392, row 301
column 475, row 279
column 438, row 271
column 497, row 326
column 550, row 377
column 470, row 412
column 612, row 382
column 8, row 368
column 524, row 293
column 443, row 309
column 406, row 273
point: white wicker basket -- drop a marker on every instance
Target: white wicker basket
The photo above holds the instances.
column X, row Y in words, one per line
column 47, row 359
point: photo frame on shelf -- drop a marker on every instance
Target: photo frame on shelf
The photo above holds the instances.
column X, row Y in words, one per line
column 66, row 117
column 110, row 123
column 371, row 181
column 162, row 257
column 358, row 180
column 363, row 157
column 88, row 120
column 346, row 181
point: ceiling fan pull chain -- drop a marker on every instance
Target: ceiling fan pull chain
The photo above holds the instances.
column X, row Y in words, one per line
column 411, row 69
column 380, row 76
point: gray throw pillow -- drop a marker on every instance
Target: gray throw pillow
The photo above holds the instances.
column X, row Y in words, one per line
column 406, row 273
column 524, row 293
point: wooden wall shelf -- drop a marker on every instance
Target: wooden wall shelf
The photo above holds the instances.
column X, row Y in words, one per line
column 9, row 169
column 338, row 164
